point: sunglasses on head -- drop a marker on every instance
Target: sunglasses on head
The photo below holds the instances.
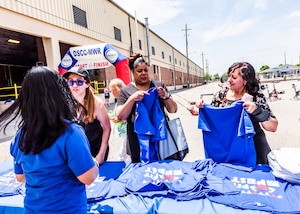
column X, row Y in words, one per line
column 78, row 82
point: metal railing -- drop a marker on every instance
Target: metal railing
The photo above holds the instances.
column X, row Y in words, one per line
column 13, row 91
column 98, row 87
column 9, row 92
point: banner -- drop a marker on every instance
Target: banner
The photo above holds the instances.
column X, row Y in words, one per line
column 95, row 57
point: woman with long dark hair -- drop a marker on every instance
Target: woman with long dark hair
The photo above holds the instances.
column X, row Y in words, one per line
column 51, row 152
column 243, row 85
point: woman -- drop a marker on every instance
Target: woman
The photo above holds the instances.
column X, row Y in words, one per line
column 135, row 91
column 95, row 119
column 243, row 85
column 115, row 87
column 51, row 153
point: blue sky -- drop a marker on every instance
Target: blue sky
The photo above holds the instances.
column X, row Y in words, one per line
column 262, row 32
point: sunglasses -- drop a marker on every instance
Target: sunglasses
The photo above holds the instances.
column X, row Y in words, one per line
column 78, row 82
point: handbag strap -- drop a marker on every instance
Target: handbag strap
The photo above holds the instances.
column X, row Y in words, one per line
column 171, row 134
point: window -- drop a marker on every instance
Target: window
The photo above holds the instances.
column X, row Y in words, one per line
column 162, row 55
column 140, row 44
column 170, row 58
column 155, row 69
column 79, row 16
column 117, row 32
column 153, row 50
column 175, row 61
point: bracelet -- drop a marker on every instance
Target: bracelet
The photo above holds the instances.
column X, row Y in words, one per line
column 96, row 162
column 167, row 97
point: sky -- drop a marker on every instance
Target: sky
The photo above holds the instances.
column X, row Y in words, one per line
column 221, row 32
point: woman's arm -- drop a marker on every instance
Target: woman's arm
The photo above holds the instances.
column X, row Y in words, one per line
column 21, row 178
column 169, row 102
column 102, row 115
column 89, row 176
column 124, row 110
column 264, row 116
column 270, row 125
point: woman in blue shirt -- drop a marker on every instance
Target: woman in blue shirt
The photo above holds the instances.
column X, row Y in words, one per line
column 51, row 152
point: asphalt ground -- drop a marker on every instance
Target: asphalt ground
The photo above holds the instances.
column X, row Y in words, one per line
column 286, row 109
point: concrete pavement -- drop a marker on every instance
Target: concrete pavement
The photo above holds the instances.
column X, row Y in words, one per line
column 286, row 110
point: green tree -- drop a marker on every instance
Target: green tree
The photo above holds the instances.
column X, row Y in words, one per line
column 216, row 76
column 264, row 67
column 207, row 76
column 298, row 64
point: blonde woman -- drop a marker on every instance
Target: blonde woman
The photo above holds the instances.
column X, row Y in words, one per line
column 95, row 119
column 115, row 87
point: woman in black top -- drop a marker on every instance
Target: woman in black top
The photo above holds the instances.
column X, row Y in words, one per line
column 94, row 117
column 135, row 91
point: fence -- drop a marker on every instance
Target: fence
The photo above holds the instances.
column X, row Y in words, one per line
column 12, row 92
column 9, row 92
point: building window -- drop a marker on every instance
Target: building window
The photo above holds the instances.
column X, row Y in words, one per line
column 153, row 50
column 179, row 62
column 162, row 55
column 79, row 16
column 170, row 58
column 117, row 32
column 155, row 69
column 140, row 44
column 175, row 61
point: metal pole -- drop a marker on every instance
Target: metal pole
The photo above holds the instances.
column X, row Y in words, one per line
column 203, row 63
column 174, row 73
column 187, row 56
column 148, row 40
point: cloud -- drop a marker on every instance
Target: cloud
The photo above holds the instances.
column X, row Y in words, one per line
column 157, row 11
column 260, row 4
column 227, row 30
column 295, row 14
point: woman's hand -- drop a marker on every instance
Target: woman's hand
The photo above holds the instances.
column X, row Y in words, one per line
column 250, row 107
column 138, row 95
column 116, row 120
column 162, row 93
column 199, row 103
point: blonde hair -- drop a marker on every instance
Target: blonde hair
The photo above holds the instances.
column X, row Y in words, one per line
column 116, row 83
column 89, row 104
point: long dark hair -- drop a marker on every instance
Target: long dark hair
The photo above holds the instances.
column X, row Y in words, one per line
column 44, row 106
column 248, row 73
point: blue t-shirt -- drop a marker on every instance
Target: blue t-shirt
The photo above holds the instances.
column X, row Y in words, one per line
column 228, row 134
column 259, row 190
column 51, row 175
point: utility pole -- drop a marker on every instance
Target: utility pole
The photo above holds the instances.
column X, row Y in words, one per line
column 174, row 72
column 207, row 70
column 148, row 40
column 187, row 56
column 284, row 58
column 203, row 63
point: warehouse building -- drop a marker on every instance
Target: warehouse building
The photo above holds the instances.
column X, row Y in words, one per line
column 41, row 32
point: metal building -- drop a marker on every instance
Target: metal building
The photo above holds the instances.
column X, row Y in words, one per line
column 35, row 31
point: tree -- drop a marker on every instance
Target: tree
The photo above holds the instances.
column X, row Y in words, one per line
column 216, row 76
column 264, row 67
column 207, row 76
